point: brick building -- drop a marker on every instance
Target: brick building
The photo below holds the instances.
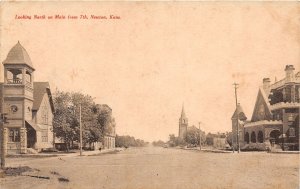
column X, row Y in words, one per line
column 275, row 118
column 27, row 104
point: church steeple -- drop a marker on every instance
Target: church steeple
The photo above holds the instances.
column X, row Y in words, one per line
column 18, row 68
column 183, row 112
column 183, row 124
column 17, row 93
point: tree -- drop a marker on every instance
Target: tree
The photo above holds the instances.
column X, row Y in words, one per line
column 229, row 138
column 172, row 140
column 192, row 136
column 61, row 121
column 158, row 143
column 176, row 141
column 96, row 120
column 127, row 141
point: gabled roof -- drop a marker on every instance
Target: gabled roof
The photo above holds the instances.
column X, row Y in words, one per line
column 39, row 90
column 239, row 112
column 265, row 100
column 18, row 55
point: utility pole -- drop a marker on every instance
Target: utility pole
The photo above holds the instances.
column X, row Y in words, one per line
column 237, row 119
column 2, row 142
column 80, row 128
column 199, row 135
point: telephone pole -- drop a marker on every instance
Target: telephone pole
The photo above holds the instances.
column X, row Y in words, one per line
column 80, row 128
column 3, row 141
column 199, row 135
column 3, row 153
column 237, row 119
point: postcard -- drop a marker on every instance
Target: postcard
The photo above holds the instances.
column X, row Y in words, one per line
column 150, row 94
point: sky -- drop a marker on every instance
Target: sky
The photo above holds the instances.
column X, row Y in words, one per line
column 158, row 56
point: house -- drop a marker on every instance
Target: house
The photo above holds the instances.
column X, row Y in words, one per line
column 275, row 118
column 26, row 104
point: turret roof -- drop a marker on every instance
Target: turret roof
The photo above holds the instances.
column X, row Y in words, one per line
column 18, row 55
column 239, row 112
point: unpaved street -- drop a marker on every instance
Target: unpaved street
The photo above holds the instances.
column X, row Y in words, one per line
column 153, row 168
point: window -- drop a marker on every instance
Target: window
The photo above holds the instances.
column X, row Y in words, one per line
column 290, row 117
column 45, row 114
column 292, row 132
column 14, row 135
column 44, row 136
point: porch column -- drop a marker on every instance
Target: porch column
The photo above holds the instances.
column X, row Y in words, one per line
column 5, row 137
column 23, row 140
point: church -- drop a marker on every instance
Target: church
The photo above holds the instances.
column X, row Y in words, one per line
column 183, row 125
column 275, row 119
column 26, row 104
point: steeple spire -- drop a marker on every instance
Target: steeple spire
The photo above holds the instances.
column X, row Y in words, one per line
column 182, row 111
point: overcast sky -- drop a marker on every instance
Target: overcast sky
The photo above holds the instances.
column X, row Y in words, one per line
column 159, row 56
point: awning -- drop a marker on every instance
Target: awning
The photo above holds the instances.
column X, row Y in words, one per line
column 33, row 125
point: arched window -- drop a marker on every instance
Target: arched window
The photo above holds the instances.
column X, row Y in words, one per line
column 260, row 137
column 253, row 137
column 14, row 76
column 247, row 137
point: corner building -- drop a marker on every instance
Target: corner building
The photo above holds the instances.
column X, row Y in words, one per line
column 275, row 118
column 27, row 105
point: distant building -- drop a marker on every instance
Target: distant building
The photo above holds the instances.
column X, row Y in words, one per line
column 219, row 143
column 109, row 141
column 183, row 124
column 27, row 104
column 217, row 140
column 275, row 118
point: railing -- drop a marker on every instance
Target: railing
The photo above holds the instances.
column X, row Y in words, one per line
column 17, row 81
column 14, row 81
column 278, row 84
column 263, row 122
column 285, row 105
column 283, row 81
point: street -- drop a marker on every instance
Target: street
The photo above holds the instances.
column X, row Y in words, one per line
column 156, row 168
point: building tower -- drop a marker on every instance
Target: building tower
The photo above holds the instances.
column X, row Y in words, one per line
column 238, row 117
column 183, row 124
column 17, row 97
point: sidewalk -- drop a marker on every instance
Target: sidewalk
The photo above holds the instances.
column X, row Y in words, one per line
column 77, row 153
column 285, row 152
column 207, row 150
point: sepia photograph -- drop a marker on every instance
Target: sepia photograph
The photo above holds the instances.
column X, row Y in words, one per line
column 149, row 94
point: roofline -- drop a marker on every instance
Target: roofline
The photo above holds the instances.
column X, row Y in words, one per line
column 18, row 64
column 261, row 90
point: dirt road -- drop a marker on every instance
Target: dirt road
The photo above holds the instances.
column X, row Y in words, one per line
column 156, row 168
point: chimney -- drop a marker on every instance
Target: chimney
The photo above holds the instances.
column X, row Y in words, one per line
column 289, row 72
column 266, row 83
